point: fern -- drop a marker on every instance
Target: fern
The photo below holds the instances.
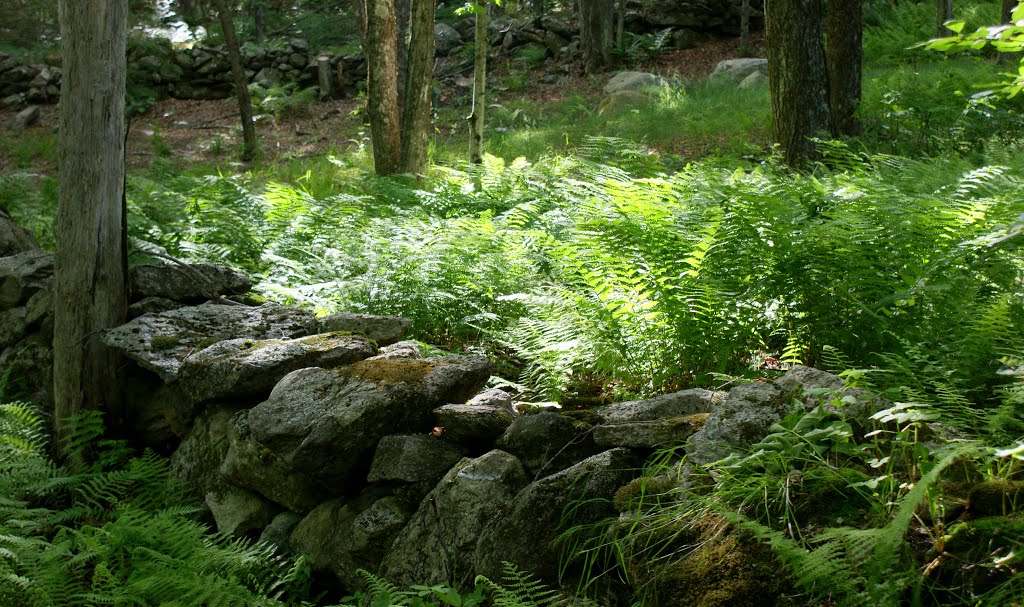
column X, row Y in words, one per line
column 521, row 589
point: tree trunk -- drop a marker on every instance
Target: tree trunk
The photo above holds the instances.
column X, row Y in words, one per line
column 844, row 51
column 403, row 12
column 476, row 119
column 382, row 88
column 420, row 78
column 90, row 292
column 945, row 13
column 797, row 76
column 745, row 49
column 259, row 21
column 596, row 32
column 1006, row 10
column 249, row 145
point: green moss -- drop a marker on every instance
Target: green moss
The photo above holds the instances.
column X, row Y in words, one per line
column 728, row 570
column 393, row 371
column 164, row 342
column 979, row 555
column 691, row 422
column 644, row 492
column 825, row 496
column 995, row 498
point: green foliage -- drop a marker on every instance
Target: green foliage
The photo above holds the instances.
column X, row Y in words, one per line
column 109, row 528
column 282, row 101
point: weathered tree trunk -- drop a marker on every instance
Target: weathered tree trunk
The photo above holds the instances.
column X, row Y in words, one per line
column 844, row 51
column 90, row 292
column 596, row 31
column 476, row 119
column 944, row 14
column 382, row 88
column 259, row 21
column 249, row 145
column 403, row 13
column 745, row 49
column 797, row 76
column 1006, row 10
column 419, row 79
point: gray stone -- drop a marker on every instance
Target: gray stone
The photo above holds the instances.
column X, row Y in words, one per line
column 444, row 531
column 667, row 406
column 342, row 537
column 754, row 80
column 298, row 60
column 385, row 330
column 14, row 239
column 199, row 457
column 621, row 101
column 160, row 342
column 815, row 387
column 23, row 275
column 189, row 283
column 446, row 39
column 402, row 349
column 547, row 442
column 735, row 70
column 411, row 458
column 524, row 532
column 741, row 420
column 237, row 511
column 246, row 367
column 26, row 117
column 268, row 77
column 305, row 443
column 473, row 424
column 152, row 305
column 299, row 45
column 648, row 434
column 13, row 102
column 639, row 82
column 280, row 529
column 495, row 397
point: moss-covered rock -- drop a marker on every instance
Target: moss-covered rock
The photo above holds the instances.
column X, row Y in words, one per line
column 996, row 498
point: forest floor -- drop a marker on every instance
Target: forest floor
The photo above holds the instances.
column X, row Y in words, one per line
column 202, row 132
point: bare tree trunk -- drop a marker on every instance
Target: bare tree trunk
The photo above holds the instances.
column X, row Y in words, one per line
column 420, row 72
column 1006, row 10
column 476, row 119
column 945, row 13
column 596, row 31
column 259, row 21
column 797, row 76
column 382, row 89
column 745, row 49
column 90, row 292
column 844, row 50
column 249, row 145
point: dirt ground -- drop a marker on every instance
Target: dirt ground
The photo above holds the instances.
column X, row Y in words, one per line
column 197, row 131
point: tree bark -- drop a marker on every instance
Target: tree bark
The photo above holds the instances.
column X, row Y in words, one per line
column 382, row 88
column 90, row 291
column 596, row 33
column 944, row 14
column 259, row 21
column 419, row 80
column 844, row 51
column 1006, row 10
column 797, row 76
column 745, row 49
column 249, row 145
column 476, row 119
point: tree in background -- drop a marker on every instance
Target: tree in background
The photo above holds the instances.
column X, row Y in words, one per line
column 476, row 117
column 249, row 145
column 596, row 34
column 399, row 131
column 90, row 292
column 844, row 28
column 944, row 13
column 797, row 76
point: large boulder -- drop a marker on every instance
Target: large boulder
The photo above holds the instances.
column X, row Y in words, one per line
column 198, row 459
column 741, row 420
column 412, row 458
column 649, row 434
column 440, row 539
column 190, row 283
column 640, row 82
column 25, row 118
column 734, row 71
column 161, row 342
column 23, row 275
column 816, row 387
column 666, row 406
column 342, row 537
column 621, row 101
column 446, row 39
column 246, row 367
column 238, row 511
column 473, row 424
column 525, row 531
column 546, row 442
column 320, row 426
column 385, row 330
